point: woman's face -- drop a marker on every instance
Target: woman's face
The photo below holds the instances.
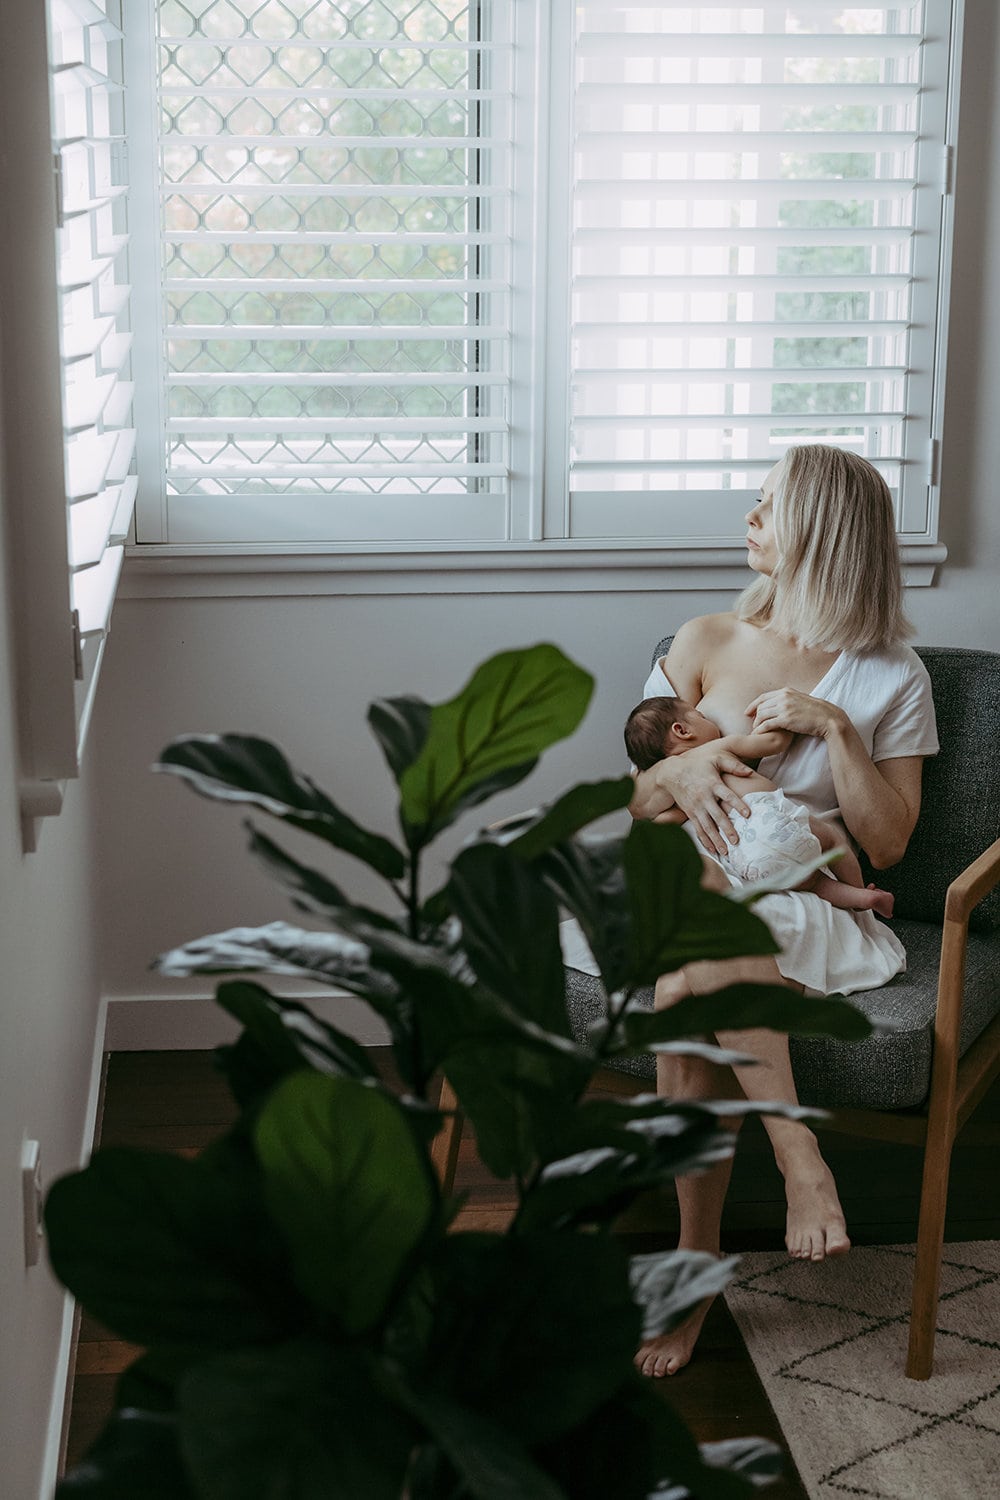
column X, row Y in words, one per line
column 762, row 548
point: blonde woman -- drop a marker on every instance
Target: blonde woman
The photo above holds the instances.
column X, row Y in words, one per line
column 814, row 646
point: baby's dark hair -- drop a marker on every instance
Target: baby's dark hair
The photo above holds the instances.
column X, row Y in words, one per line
column 647, row 730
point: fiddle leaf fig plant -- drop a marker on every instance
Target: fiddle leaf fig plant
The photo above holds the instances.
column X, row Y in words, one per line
column 314, row 1324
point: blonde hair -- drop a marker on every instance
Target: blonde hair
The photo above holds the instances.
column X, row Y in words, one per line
column 837, row 584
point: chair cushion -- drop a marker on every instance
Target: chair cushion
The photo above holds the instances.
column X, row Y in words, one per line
column 890, row 1070
column 960, row 808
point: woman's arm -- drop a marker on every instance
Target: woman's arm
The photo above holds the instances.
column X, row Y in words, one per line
column 879, row 803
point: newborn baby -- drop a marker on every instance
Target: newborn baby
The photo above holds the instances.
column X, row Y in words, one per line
column 779, row 833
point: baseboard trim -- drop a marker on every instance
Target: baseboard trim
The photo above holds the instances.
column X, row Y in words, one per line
column 194, row 1023
column 57, row 1429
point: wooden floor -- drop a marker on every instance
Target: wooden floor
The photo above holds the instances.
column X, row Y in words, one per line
column 174, row 1101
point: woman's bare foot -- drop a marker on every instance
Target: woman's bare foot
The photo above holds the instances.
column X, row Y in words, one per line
column 815, row 1226
column 672, row 1351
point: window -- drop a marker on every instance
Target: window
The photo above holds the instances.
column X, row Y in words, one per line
column 529, row 273
column 757, row 248
column 333, row 258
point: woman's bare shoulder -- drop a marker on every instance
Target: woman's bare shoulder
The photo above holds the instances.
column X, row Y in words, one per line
column 695, row 647
column 706, row 633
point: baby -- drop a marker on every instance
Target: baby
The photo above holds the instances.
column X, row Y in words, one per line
column 779, row 833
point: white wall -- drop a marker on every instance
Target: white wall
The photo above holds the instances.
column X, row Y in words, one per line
column 48, row 1025
column 303, row 669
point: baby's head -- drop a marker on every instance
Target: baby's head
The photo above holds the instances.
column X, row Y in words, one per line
column 658, row 727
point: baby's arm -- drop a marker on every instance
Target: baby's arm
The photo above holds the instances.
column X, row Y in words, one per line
column 758, row 744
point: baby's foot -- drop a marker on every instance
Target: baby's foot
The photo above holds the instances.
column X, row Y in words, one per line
column 672, row 1351
column 882, row 901
column 815, row 1226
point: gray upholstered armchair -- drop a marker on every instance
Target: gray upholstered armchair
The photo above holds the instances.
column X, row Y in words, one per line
column 919, row 1082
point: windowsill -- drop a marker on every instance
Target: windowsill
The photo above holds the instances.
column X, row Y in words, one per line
column 157, row 572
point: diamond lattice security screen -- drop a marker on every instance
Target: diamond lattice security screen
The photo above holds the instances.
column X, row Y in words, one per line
column 334, row 259
column 756, row 247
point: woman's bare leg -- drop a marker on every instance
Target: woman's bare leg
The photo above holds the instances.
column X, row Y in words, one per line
column 815, row 1226
column 700, row 1196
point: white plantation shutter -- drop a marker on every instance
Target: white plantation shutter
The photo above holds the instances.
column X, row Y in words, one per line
column 95, row 340
column 333, row 251
column 66, row 397
column 758, row 247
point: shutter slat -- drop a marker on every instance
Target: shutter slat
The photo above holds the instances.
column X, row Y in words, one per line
column 726, row 375
column 750, row 142
column 737, row 234
column 719, row 190
column 360, row 470
column 369, row 427
column 643, row 45
column 629, row 331
column 336, row 333
column 346, row 378
column 692, row 420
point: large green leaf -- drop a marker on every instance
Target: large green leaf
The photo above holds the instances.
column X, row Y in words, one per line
column 596, row 1184
column 280, row 1025
column 610, row 1454
column 400, row 725
column 348, row 1187
column 136, row 1454
column 753, row 1459
column 535, row 1330
column 280, row 948
column 673, row 920
column 171, row 1252
column 668, row 1285
column 682, row 1470
column 310, row 889
column 742, row 1007
column 512, row 708
column 302, row 1420
column 279, row 1037
column 241, row 768
column 510, row 932
column 586, row 877
column 509, row 1089
column 533, row 833
column 488, row 1458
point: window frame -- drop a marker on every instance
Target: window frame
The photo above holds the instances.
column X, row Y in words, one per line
column 537, row 542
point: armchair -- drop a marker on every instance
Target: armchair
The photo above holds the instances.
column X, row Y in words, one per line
column 919, row 1081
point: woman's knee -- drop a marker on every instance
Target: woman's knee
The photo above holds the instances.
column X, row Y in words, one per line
column 670, row 988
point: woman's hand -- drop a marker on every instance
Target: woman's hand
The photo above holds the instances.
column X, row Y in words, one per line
column 787, row 708
column 693, row 782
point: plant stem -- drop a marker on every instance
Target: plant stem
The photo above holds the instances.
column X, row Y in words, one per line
column 413, row 897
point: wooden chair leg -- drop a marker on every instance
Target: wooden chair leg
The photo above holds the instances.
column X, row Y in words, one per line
column 930, row 1247
column 444, row 1150
column 941, row 1129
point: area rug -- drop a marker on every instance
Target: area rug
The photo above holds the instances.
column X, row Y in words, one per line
column 829, row 1342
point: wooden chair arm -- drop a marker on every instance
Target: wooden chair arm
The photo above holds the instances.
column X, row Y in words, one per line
column 964, row 892
column 972, row 885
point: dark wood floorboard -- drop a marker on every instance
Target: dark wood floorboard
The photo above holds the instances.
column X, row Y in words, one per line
column 176, row 1101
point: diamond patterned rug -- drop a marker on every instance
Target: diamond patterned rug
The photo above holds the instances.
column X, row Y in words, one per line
column 829, row 1342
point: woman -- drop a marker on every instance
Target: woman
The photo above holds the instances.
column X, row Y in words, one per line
column 813, row 646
